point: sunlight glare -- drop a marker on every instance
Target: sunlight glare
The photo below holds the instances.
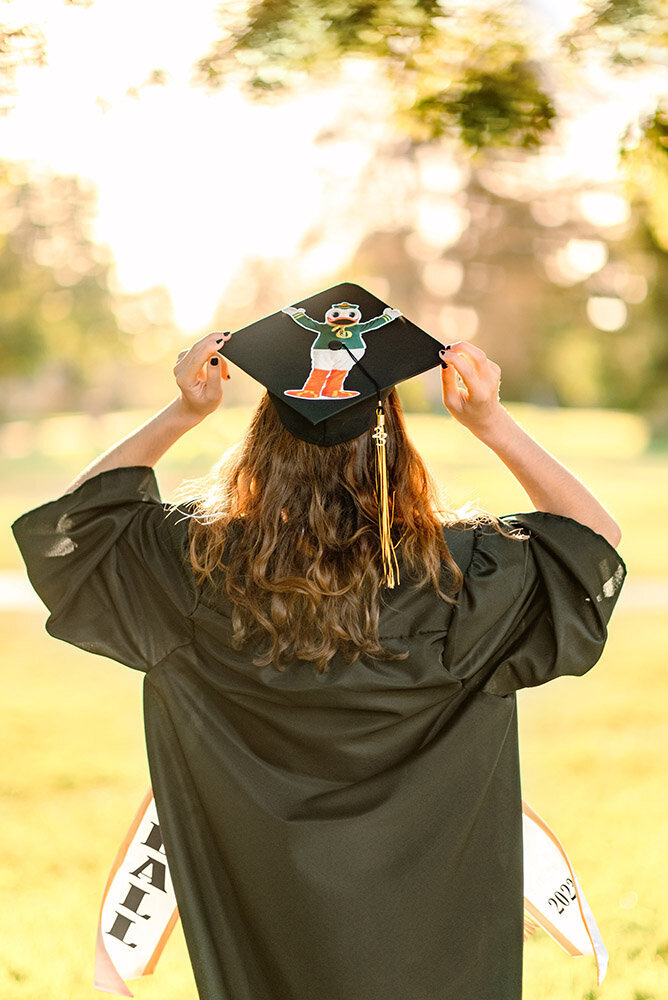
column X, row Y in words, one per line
column 607, row 313
column 440, row 222
column 603, row 208
column 443, row 277
column 457, row 323
column 188, row 183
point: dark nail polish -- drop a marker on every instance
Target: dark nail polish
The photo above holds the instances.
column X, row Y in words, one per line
column 228, row 377
column 443, row 365
column 214, row 361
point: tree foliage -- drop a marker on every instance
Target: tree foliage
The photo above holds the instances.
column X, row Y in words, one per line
column 462, row 71
column 462, row 79
column 20, row 45
column 645, row 159
column 54, row 280
column 629, row 33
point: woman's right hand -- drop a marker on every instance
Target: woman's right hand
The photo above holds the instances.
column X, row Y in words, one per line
column 199, row 374
column 549, row 484
column 475, row 403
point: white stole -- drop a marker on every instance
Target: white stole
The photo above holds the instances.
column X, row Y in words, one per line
column 138, row 910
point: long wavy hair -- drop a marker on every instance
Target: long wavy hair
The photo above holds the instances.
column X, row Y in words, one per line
column 290, row 531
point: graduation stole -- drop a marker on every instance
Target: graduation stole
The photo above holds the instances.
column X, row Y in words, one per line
column 138, row 910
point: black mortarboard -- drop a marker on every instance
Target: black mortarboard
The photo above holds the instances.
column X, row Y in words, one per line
column 328, row 363
column 327, row 359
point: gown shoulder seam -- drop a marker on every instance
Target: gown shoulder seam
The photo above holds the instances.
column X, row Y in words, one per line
column 175, row 649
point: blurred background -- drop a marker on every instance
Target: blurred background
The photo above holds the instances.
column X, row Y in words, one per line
column 499, row 172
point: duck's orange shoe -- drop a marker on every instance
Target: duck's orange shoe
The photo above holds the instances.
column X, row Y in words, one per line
column 333, row 388
column 312, row 386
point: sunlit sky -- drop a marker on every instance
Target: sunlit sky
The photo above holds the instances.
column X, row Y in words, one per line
column 188, row 182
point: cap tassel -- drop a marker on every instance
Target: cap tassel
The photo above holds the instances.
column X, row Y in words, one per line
column 385, row 517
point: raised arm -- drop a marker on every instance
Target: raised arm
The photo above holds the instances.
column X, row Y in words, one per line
column 199, row 375
column 301, row 319
column 548, row 484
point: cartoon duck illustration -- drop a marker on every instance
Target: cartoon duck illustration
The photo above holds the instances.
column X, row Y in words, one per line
column 330, row 363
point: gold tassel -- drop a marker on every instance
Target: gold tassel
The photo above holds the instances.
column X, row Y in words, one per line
column 385, row 518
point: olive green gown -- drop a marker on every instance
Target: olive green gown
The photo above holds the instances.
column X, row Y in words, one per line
column 353, row 835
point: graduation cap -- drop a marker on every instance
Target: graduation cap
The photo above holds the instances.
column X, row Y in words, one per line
column 327, row 359
column 328, row 362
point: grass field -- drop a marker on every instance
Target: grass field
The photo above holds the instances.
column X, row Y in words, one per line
column 594, row 750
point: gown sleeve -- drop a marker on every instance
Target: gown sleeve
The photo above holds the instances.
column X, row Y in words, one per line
column 534, row 606
column 109, row 561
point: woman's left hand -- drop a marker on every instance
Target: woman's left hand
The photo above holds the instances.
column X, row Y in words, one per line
column 474, row 401
column 199, row 374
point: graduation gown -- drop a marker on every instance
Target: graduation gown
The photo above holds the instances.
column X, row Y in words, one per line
column 353, row 835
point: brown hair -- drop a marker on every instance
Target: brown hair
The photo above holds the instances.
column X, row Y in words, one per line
column 290, row 530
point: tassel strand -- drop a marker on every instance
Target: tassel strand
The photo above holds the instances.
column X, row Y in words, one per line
column 385, row 517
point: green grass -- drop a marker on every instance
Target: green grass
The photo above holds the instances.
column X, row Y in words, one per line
column 75, row 772
column 593, row 749
column 593, row 764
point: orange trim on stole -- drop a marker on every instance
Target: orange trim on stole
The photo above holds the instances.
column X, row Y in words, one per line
column 553, row 931
column 153, row 960
column 127, row 840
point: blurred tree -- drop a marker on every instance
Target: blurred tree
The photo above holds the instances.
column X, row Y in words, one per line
column 54, row 280
column 21, row 44
column 553, row 283
column 633, row 36
column 554, row 290
column 629, row 33
column 69, row 338
column 564, row 288
column 462, row 71
column 645, row 159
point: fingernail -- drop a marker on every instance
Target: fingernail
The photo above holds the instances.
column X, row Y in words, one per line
column 448, row 347
column 228, row 377
column 443, row 365
column 214, row 361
